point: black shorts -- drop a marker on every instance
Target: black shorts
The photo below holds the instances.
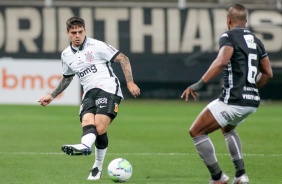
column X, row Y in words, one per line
column 97, row 101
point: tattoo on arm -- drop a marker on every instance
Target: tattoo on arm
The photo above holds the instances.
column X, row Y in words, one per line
column 64, row 83
column 126, row 67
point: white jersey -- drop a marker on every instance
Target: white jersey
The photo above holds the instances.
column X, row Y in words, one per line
column 91, row 62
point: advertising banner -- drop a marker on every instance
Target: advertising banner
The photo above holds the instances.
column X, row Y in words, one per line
column 24, row 81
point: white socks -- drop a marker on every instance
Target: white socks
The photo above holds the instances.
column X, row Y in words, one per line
column 99, row 158
column 88, row 139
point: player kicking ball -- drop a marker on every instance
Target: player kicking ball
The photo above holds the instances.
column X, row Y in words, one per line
column 91, row 60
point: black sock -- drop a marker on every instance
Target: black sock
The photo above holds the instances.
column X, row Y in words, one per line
column 217, row 176
column 239, row 166
column 240, row 173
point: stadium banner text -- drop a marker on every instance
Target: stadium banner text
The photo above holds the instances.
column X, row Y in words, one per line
column 24, row 81
column 167, row 44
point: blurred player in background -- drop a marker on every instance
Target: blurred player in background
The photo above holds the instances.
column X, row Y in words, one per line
column 91, row 60
column 246, row 67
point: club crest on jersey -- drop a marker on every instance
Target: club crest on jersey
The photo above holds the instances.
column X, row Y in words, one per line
column 116, row 107
column 89, row 56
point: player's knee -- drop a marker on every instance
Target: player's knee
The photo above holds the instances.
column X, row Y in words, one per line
column 86, row 122
column 102, row 141
column 87, row 118
column 101, row 129
column 193, row 133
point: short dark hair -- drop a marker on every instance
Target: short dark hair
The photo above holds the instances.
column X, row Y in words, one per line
column 238, row 12
column 75, row 21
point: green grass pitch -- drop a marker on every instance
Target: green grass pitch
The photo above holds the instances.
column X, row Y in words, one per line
column 152, row 135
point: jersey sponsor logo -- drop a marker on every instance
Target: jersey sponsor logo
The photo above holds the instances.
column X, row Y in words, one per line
column 251, row 97
column 89, row 56
column 103, row 101
column 245, row 88
column 250, row 41
column 91, row 69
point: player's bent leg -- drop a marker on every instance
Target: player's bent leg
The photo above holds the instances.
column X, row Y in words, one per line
column 204, row 124
column 233, row 143
column 206, row 151
column 87, row 139
column 102, row 122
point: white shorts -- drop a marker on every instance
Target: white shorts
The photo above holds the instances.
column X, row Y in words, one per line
column 229, row 114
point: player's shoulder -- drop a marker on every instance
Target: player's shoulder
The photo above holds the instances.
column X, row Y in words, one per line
column 96, row 44
column 66, row 52
column 246, row 31
column 226, row 39
column 225, row 34
column 235, row 32
column 93, row 41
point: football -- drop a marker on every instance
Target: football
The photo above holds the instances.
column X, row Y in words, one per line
column 119, row 170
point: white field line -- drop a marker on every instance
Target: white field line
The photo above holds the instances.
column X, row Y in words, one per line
column 138, row 154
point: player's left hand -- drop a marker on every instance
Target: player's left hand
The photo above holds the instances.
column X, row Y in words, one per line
column 188, row 92
column 133, row 89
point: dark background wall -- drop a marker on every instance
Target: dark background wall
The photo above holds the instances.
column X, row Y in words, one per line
column 169, row 48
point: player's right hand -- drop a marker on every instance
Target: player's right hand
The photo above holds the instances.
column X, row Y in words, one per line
column 45, row 100
column 133, row 89
column 188, row 92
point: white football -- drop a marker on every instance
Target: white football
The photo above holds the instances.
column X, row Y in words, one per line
column 119, row 170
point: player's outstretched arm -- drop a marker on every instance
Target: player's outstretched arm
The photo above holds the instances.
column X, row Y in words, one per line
column 215, row 69
column 63, row 84
column 126, row 68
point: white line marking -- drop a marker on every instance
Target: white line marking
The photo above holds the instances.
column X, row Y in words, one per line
column 139, row 154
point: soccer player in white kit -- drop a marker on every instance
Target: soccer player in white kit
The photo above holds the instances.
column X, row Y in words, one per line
column 90, row 60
